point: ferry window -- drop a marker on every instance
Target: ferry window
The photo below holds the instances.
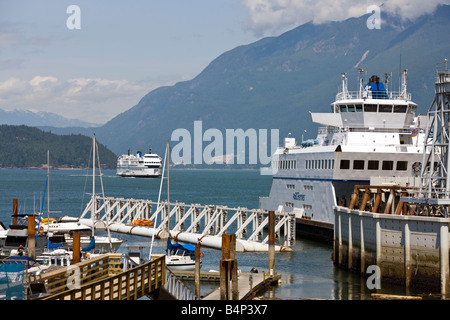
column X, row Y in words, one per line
column 358, row 164
column 388, row 165
column 345, row 164
column 351, row 108
column 358, row 108
column 343, row 108
column 385, row 108
column 370, row 108
column 373, row 165
column 402, row 165
column 400, row 109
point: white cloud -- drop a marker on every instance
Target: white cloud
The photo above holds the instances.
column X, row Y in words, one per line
column 276, row 16
column 93, row 100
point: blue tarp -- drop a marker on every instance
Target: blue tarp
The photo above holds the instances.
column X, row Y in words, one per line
column 189, row 248
column 53, row 245
column 90, row 246
column 11, row 279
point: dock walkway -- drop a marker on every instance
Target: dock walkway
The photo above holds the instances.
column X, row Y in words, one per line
column 103, row 279
column 247, row 288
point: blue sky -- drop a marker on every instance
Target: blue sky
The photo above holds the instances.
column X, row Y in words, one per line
column 124, row 49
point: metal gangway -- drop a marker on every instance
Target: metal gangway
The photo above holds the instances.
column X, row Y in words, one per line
column 433, row 197
column 194, row 223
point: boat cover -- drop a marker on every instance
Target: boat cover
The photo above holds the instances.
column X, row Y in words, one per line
column 90, row 246
column 189, row 248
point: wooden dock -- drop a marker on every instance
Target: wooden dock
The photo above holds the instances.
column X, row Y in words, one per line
column 249, row 285
column 103, row 279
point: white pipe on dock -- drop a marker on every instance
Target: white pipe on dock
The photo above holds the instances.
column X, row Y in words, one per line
column 214, row 242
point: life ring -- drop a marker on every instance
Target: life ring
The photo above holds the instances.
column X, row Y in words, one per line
column 202, row 254
column 41, row 229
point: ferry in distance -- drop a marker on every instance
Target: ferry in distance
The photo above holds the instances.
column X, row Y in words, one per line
column 139, row 166
column 371, row 136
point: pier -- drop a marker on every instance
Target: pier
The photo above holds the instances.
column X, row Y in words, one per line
column 103, row 279
column 193, row 223
column 116, row 276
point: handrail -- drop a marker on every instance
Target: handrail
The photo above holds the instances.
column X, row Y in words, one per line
column 177, row 288
column 109, row 283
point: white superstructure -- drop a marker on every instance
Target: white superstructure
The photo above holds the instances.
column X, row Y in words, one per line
column 143, row 166
column 370, row 134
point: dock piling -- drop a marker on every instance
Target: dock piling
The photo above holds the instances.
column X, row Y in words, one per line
column 31, row 237
column 228, row 268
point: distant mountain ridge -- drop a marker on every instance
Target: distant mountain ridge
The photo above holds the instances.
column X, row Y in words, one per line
column 40, row 118
column 275, row 82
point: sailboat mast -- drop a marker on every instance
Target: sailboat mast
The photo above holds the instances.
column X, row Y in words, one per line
column 168, row 172
column 93, row 185
column 48, row 179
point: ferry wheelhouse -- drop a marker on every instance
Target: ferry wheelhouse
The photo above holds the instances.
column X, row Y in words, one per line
column 371, row 136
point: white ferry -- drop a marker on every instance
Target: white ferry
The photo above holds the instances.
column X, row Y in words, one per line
column 370, row 135
column 141, row 166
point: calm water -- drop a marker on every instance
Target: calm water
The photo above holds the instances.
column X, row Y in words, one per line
column 308, row 272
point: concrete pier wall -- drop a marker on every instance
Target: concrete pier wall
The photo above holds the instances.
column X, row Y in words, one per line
column 409, row 250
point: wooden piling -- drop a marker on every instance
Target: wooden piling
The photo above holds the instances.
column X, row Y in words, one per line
column 197, row 271
column 15, row 211
column 31, row 237
column 76, row 247
column 228, row 268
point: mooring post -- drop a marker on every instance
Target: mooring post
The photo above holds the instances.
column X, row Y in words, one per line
column 76, row 247
column 272, row 243
column 31, row 237
column 15, row 211
column 197, row 271
column 228, row 268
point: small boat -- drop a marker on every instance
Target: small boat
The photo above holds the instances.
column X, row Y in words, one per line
column 180, row 257
column 65, row 230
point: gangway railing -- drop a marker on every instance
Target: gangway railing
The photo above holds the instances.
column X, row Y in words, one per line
column 191, row 223
column 177, row 288
column 103, row 278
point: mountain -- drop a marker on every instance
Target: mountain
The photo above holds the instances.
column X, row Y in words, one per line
column 25, row 147
column 36, row 119
column 274, row 83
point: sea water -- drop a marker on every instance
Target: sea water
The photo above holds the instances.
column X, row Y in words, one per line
column 306, row 273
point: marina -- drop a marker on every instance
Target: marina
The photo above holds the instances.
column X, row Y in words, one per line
column 398, row 224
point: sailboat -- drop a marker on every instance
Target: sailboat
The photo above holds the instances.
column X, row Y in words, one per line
column 105, row 244
column 88, row 240
column 180, row 257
